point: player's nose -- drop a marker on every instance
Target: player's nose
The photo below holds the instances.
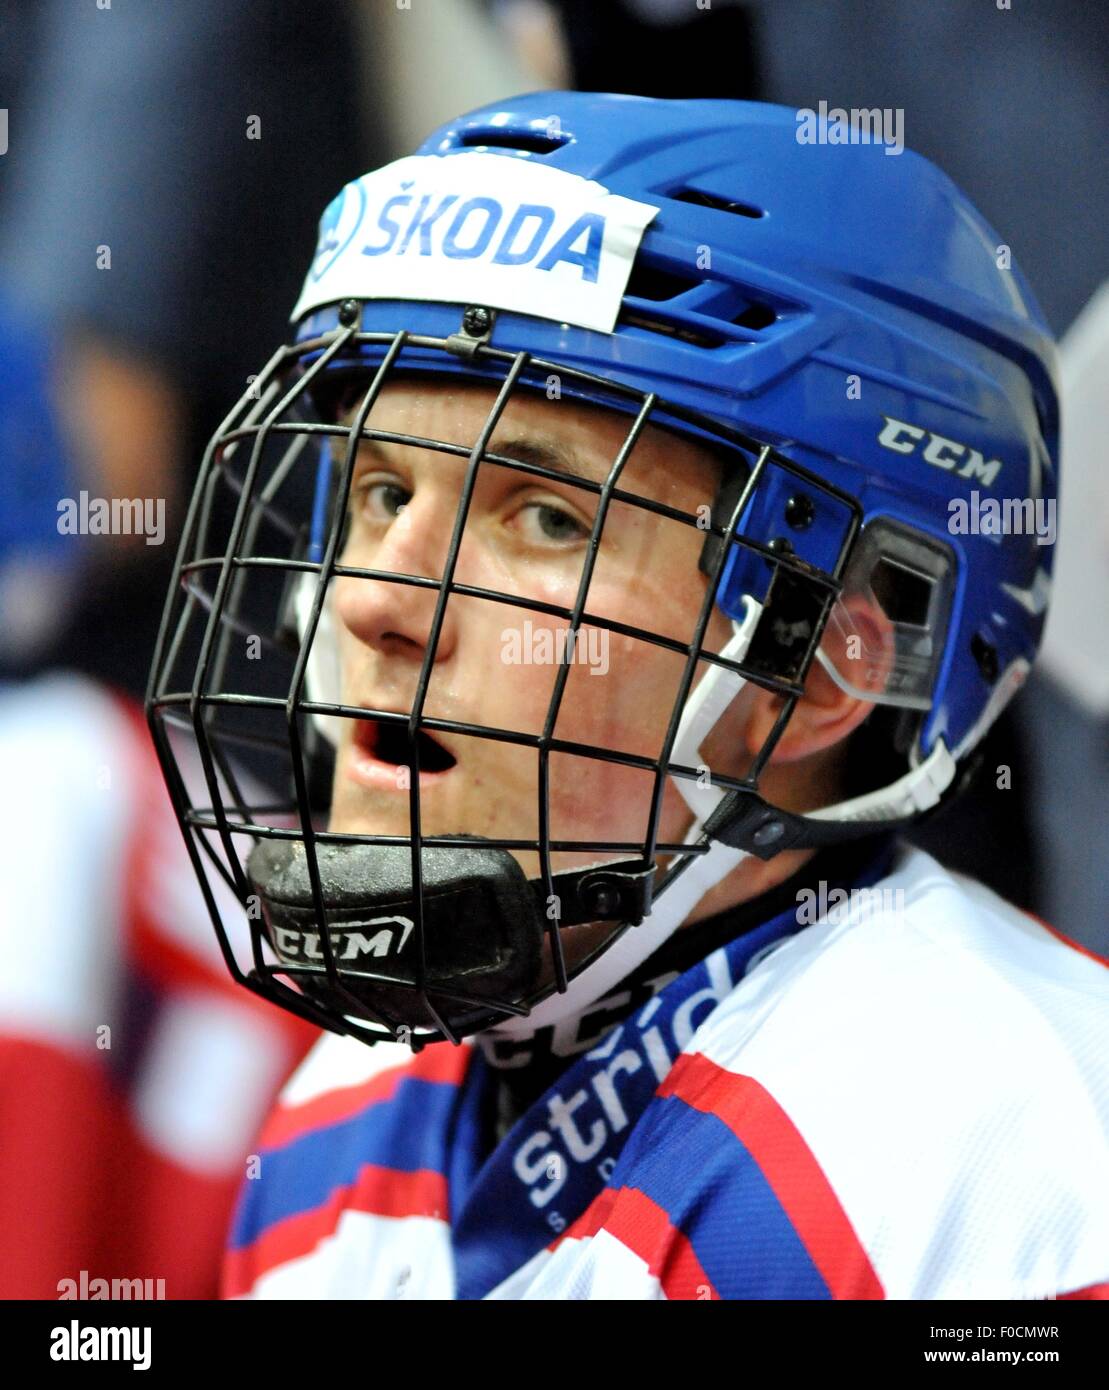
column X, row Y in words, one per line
column 395, row 616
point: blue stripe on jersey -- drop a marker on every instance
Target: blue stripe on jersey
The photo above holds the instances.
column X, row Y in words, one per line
column 745, row 1242
column 409, row 1131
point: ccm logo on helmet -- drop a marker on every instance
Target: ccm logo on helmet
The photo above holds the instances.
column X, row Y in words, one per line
column 943, row 453
column 482, row 225
column 347, row 943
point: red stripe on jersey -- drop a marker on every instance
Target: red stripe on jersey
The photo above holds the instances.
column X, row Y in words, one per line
column 380, row 1191
column 788, row 1165
column 590, row 1221
column 442, row 1062
column 646, row 1229
column 1090, row 1291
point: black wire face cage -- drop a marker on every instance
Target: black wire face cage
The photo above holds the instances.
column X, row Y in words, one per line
column 432, row 929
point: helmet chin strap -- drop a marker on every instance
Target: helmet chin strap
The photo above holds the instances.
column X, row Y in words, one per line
column 702, row 711
column 635, row 944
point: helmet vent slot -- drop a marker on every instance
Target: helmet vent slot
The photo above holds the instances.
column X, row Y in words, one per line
column 698, row 336
column 649, row 282
column 710, row 200
column 756, row 316
column 497, row 137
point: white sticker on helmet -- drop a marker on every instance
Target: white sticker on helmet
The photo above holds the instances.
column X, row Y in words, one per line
column 486, row 229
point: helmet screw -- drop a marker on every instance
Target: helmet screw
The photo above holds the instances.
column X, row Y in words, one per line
column 476, row 321
column 800, row 511
column 348, row 312
column 769, row 832
column 601, row 897
column 780, row 546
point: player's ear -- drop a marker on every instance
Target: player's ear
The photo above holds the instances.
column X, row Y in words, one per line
column 827, row 713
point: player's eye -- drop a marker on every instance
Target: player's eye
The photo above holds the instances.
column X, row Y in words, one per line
column 381, row 499
column 547, row 523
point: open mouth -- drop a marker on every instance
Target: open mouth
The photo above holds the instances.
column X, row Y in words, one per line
column 389, row 744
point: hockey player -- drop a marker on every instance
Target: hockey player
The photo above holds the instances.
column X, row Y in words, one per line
column 584, row 579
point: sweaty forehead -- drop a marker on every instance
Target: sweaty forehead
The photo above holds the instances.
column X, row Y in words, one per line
column 575, row 438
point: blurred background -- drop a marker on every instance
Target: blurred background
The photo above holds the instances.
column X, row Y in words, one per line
column 163, row 169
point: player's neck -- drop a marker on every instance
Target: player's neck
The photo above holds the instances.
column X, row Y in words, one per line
column 798, row 787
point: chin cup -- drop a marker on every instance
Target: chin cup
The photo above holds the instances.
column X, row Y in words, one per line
column 483, row 926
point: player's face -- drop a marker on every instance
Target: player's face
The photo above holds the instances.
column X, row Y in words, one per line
column 496, row 663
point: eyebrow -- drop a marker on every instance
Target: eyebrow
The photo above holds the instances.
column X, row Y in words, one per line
column 539, row 451
column 550, row 453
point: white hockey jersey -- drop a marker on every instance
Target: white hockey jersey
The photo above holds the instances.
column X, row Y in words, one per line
column 904, row 1095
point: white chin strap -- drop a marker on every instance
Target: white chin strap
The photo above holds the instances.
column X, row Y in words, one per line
column 703, row 708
